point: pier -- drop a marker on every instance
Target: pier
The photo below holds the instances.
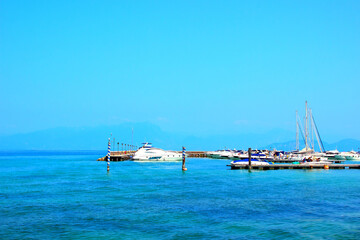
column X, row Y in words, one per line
column 118, row 156
column 291, row 161
column 299, row 166
column 196, row 154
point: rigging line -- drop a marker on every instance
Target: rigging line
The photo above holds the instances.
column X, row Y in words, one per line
column 317, row 131
column 301, row 131
column 317, row 136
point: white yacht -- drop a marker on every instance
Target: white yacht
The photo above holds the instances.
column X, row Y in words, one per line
column 352, row 155
column 311, row 160
column 334, row 154
column 226, row 154
column 245, row 162
column 212, row 154
column 148, row 153
column 220, row 154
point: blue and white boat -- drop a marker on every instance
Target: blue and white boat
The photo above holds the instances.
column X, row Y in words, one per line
column 254, row 155
column 254, row 162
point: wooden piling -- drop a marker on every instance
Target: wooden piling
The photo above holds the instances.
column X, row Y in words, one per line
column 249, row 152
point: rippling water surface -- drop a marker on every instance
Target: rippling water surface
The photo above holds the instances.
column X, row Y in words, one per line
column 62, row 196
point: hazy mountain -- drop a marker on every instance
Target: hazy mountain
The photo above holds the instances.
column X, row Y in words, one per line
column 89, row 138
column 95, row 138
column 343, row 145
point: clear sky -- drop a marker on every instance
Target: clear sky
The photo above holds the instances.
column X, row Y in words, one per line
column 188, row 66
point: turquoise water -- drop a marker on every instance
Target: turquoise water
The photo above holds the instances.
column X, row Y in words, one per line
column 71, row 196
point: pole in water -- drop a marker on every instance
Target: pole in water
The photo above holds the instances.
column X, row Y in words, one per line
column 183, row 163
column 249, row 152
column 108, row 156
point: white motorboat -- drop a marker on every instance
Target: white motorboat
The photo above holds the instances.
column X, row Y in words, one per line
column 221, row 154
column 254, row 155
column 245, row 162
column 334, row 154
column 211, row 154
column 226, row 154
column 312, row 160
column 149, row 153
column 352, row 155
column 296, row 157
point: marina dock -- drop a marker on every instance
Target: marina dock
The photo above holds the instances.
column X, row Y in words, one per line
column 299, row 166
column 118, row 156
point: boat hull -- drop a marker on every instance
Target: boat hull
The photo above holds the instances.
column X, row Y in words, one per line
column 245, row 162
column 353, row 158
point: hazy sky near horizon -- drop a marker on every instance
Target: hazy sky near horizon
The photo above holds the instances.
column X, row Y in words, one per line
column 188, row 66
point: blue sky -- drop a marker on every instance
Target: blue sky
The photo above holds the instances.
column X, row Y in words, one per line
column 199, row 67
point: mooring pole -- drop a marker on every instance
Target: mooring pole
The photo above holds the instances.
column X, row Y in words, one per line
column 249, row 152
column 108, row 156
column 183, row 163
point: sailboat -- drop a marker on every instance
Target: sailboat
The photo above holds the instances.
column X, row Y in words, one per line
column 308, row 155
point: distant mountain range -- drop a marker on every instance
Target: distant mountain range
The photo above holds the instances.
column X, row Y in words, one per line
column 95, row 138
column 343, row 145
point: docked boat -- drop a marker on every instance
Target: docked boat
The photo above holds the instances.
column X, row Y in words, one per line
column 334, row 155
column 245, row 162
column 149, row 153
column 312, row 160
column 211, row 154
column 226, row 154
column 352, row 155
column 259, row 155
column 221, row 154
column 294, row 156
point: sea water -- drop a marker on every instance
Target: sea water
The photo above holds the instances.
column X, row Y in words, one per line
column 71, row 196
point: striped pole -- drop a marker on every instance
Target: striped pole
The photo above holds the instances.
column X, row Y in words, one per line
column 108, row 156
column 183, row 155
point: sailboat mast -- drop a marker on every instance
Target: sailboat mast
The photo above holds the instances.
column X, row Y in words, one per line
column 306, row 126
column 297, row 132
column 312, row 131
